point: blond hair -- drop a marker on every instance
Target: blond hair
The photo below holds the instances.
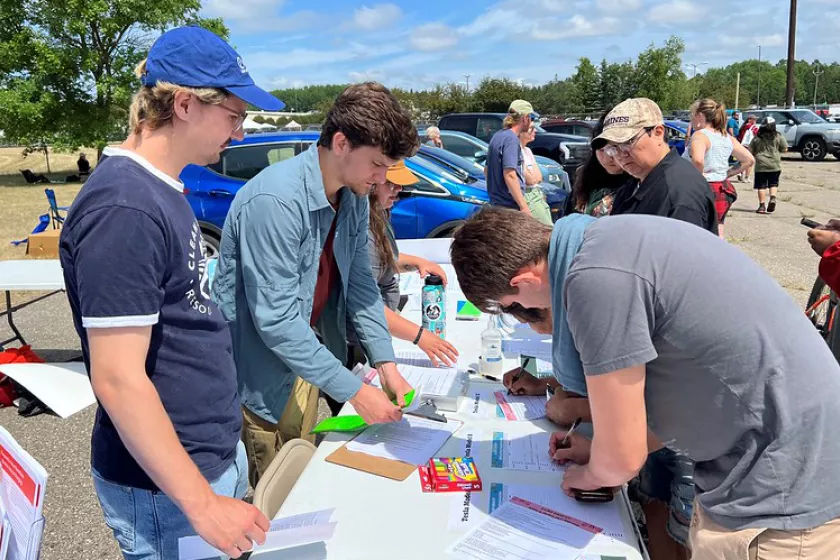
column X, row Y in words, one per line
column 512, row 119
column 712, row 111
column 153, row 106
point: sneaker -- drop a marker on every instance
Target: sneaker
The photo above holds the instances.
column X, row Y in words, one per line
column 761, row 209
column 740, row 178
column 771, row 207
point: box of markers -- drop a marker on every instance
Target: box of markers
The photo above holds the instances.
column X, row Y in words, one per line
column 450, row 474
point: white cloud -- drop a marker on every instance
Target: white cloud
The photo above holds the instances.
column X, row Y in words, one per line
column 577, row 26
column 377, row 17
column 752, row 41
column 613, row 7
column 242, row 10
column 676, row 11
column 433, row 37
column 497, row 22
column 269, row 61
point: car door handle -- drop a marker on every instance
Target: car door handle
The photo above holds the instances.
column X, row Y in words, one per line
column 220, row 193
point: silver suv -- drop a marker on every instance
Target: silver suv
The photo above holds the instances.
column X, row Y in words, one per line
column 805, row 132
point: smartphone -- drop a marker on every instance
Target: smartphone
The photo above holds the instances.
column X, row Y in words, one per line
column 807, row 222
column 601, row 495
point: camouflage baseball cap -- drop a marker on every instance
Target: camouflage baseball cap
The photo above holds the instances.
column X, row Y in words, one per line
column 627, row 119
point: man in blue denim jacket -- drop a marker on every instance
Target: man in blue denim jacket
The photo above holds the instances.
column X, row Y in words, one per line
column 294, row 255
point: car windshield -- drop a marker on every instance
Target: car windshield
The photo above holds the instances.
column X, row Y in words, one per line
column 435, row 169
column 807, row 117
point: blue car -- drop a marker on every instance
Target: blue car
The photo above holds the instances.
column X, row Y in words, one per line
column 433, row 207
column 676, row 131
column 470, row 171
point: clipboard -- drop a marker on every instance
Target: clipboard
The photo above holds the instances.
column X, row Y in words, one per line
column 388, row 468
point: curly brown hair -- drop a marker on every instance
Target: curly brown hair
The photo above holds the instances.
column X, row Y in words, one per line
column 489, row 250
column 369, row 114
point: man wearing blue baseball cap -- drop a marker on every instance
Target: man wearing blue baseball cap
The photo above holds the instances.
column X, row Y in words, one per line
column 165, row 452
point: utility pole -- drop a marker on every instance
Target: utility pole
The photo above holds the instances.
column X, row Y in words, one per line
column 737, row 90
column 817, row 73
column 791, row 58
column 758, row 93
column 467, row 76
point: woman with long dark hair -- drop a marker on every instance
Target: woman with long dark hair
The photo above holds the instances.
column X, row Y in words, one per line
column 768, row 147
column 597, row 181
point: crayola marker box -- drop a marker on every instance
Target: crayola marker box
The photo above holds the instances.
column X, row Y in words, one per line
column 450, row 474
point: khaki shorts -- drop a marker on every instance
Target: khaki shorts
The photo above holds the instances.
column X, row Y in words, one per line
column 263, row 439
column 710, row 541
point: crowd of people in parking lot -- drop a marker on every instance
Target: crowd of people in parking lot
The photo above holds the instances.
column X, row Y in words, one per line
column 708, row 389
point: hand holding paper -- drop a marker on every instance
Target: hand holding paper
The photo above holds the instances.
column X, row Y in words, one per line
column 374, row 407
column 229, row 525
column 393, row 382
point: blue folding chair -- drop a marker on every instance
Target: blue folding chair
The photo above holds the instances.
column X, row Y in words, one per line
column 55, row 210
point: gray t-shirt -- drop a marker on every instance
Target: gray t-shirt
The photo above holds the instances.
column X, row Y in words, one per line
column 504, row 152
column 737, row 377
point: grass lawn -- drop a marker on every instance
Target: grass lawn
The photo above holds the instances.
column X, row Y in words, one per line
column 21, row 204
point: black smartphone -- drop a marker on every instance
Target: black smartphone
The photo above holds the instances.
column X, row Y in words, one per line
column 601, row 495
column 808, row 222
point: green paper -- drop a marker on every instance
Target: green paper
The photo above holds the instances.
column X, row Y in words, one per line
column 467, row 311
column 351, row 422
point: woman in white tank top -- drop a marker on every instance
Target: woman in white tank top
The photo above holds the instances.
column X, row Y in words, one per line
column 710, row 148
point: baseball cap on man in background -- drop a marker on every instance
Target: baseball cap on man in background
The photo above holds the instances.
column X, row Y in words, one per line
column 521, row 108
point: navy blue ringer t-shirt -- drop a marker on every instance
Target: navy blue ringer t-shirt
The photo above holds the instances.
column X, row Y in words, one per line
column 131, row 254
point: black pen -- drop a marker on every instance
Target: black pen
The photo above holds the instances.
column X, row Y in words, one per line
column 518, row 375
column 565, row 442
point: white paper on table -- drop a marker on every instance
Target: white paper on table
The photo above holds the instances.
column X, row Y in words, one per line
column 523, row 453
column 480, row 401
column 460, row 512
column 287, row 532
column 521, row 530
column 65, row 388
column 22, row 484
column 410, row 283
column 441, row 381
column 5, row 530
column 520, row 407
column 412, row 440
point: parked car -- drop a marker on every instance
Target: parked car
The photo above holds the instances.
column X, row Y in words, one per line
column 567, row 150
column 433, row 207
column 472, row 173
column 576, row 128
column 475, row 150
column 805, row 131
column 675, row 133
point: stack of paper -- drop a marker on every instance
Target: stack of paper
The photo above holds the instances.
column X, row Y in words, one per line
column 523, row 530
column 443, row 385
column 22, row 484
column 284, row 533
column 412, row 440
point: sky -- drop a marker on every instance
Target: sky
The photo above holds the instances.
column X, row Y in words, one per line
column 416, row 44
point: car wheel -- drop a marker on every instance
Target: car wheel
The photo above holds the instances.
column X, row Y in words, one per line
column 210, row 244
column 813, row 149
column 837, row 155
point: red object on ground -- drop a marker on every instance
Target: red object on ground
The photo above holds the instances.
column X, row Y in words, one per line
column 830, row 267
column 21, row 355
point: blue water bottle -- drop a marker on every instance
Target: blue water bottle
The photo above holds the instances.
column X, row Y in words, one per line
column 434, row 305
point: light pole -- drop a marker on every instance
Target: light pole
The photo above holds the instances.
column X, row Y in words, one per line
column 758, row 93
column 817, row 73
column 694, row 75
column 467, row 76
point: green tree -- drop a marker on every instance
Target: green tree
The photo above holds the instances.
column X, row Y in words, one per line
column 495, row 94
column 259, row 119
column 660, row 77
column 67, row 66
column 616, row 83
column 587, row 85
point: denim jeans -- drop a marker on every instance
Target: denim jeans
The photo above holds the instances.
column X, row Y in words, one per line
column 147, row 524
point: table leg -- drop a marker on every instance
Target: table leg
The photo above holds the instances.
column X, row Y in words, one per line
column 11, row 321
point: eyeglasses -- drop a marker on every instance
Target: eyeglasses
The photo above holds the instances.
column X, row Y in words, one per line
column 613, row 150
column 237, row 119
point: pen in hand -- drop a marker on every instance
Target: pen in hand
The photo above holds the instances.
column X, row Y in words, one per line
column 518, row 375
column 564, row 443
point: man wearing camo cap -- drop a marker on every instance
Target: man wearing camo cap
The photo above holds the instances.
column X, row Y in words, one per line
column 669, row 186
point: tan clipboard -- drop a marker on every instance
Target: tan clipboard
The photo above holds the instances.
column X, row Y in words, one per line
column 395, row 470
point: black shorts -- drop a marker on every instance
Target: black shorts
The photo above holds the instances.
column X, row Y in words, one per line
column 766, row 179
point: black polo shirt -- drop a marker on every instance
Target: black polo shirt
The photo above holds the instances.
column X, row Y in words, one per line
column 674, row 189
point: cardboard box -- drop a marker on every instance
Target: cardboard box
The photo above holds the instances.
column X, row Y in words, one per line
column 44, row 245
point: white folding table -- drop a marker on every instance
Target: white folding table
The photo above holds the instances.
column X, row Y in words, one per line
column 28, row 276
column 379, row 518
